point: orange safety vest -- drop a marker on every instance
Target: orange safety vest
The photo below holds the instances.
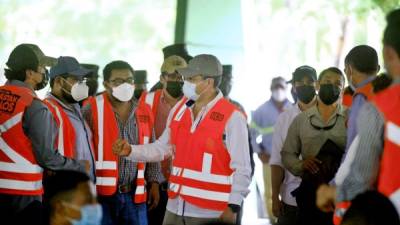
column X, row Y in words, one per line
column 347, row 99
column 152, row 99
column 201, row 172
column 65, row 140
column 388, row 103
column 20, row 173
column 105, row 133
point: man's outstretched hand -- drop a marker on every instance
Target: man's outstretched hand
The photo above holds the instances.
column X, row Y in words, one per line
column 121, row 148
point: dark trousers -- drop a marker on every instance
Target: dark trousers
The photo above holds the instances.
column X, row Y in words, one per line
column 12, row 212
column 289, row 215
column 120, row 209
column 156, row 216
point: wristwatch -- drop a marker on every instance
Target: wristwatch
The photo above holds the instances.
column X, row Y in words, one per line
column 234, row 208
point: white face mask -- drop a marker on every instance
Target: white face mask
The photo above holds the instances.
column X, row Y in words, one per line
column 123, row 92
column 279, row 95
column 189, row 90
column 79, row 91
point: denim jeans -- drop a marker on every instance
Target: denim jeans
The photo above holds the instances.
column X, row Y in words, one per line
column 120, row 209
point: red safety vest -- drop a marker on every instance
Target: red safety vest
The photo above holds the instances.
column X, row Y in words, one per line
column 201, row 172
column 152, row 99
column 388, row 103
column 20, row 173
column 105, row 133
column 65, row 140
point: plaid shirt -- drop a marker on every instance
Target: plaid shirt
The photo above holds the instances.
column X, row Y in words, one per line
column 128, row 169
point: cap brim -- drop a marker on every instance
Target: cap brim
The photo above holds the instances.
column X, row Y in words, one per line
column 187, row 72
column 80, row 72
column 48, row 61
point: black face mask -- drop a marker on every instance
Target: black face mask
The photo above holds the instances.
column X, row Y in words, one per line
column 137, row 93
column 329, row 93
column 174, row 88
column 305, row 93
column 93, row 86
column 44, row 82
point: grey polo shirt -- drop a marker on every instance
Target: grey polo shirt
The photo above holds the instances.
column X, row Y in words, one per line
column 304, row 140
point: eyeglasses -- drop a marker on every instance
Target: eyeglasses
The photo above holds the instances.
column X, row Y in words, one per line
column 119, row 81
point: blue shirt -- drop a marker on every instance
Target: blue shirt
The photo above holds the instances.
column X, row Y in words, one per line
column 263, row 121
column 358, row 101
column 83, row 134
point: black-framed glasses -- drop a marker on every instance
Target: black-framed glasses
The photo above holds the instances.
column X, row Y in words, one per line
column 119, row 81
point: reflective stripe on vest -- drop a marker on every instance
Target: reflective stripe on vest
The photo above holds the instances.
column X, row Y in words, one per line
column 149, row 100
column 19, row 164
column 60, row 129
column 100, row 163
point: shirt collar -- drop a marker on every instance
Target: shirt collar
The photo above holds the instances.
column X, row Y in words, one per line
column 365, row 82
column 212, row 102
column 70, row 107
column 313, row 111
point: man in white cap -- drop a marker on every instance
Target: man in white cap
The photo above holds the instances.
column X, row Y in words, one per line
column 209, row 140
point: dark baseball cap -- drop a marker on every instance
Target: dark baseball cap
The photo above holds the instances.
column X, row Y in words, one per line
column 68, row 65
column 28, row 56
column 92, row 67
column 177, row 49
column 206, row 65
column 140, row 77
column 303, row 71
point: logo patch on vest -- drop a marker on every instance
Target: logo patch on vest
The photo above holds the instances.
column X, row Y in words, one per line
column 143, row 118
column 8, row 101
column 216, row 116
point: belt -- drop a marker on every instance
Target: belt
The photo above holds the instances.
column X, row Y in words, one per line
column 125, row 188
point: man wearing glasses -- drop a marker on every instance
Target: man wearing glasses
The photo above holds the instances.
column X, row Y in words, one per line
column 111, row 115
column 161, row 102
column 68, row 88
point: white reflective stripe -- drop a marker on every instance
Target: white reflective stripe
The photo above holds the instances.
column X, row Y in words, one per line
column 140, row 174
column 106, row 165
column 173, row 187
column 140, row 190
column 100, row 127
column 106, row 181
column 393, row 133
column 20, row 185
column 204, row 194
column 150, row 99
column 20, row 168
column 207, row 177
column 207, row 161
column 146, row 140
column 395, row 198
column 12, row 154
column 344, row 168
column 180, row 113
column 60, row 129
column 11, row 122
column 176, row 171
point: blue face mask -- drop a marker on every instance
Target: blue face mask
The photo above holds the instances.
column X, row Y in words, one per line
column 90, row 215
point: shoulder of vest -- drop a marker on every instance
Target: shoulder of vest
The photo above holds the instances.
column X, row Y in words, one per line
column 387, row 99
column 23, row 94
